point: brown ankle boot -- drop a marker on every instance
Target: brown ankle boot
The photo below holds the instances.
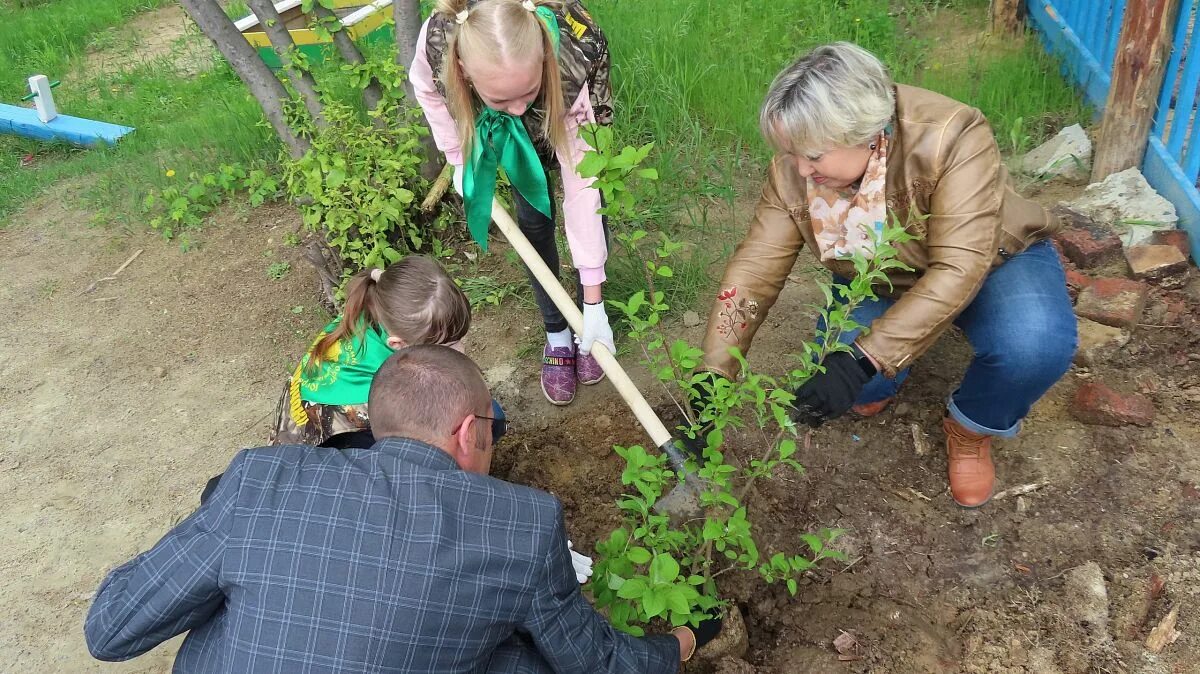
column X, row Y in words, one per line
column 871, row 409
column 972, row 474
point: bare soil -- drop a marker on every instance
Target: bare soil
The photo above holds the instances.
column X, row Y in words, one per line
column 123, row 401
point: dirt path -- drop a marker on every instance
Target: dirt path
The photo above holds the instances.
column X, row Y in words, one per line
column 121, row 402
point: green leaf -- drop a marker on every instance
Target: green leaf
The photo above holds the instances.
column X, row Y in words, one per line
column 791, row 586
column 814, row 543
column 654, row 603
column 638, row 555
column 591, row 165
column 633, row 588
column 648, row 173
column 335, row 178
column 664, row 569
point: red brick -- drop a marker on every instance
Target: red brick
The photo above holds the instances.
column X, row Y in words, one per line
column 1084, row 242
column 1113, row 301
column 1077, row 281
column 1161, row 265
column 1098, row 404
column 1173, row 237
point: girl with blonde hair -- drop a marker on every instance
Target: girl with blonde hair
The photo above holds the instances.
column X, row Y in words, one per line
column 508, row 84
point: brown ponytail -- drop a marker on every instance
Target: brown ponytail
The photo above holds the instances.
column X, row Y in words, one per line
column 414, row 299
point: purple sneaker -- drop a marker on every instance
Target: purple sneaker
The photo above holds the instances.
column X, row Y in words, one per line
column 587, row 370
column 558, row 374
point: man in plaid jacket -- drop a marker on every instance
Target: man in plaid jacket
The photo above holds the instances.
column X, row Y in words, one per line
column 404, row 557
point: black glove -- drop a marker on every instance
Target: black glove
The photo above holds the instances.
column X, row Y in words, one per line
column 830, row 394
column 699, row 397
column 707, row 630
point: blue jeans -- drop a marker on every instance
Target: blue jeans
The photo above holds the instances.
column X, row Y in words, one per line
column 1023, row 331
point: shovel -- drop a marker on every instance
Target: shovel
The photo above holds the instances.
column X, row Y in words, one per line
column 684, row 500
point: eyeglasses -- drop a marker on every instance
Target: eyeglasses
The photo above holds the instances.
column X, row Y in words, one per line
column 499, row 427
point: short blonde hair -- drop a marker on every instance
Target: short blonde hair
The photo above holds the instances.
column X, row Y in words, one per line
column 835, row 95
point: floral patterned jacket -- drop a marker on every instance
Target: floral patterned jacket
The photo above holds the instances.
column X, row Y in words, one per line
column 945, row 179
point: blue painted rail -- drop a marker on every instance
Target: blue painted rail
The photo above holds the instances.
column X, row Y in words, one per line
column 1084, row 34
column 86, row 132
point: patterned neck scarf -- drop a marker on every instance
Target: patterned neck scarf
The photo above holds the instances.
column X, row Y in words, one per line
column 844, row 223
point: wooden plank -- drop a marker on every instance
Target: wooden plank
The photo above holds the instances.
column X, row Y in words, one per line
column 1078, row 63
column 86, row 132
column 1137, row 75
column 1006, row 16
column 1166, row 177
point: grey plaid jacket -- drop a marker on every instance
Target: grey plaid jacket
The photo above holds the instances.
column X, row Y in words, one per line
column 388, row 559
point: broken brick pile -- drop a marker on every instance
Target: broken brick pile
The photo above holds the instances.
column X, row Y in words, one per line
column 1117, row 289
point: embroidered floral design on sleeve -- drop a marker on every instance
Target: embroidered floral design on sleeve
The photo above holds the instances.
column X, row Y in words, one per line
column 735, row 314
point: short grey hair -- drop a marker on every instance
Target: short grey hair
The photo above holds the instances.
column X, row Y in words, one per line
column 835, row 95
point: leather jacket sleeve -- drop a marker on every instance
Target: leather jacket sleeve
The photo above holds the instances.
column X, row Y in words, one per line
column 752, row 281
column 962, row 235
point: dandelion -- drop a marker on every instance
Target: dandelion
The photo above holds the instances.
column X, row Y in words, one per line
column 170, row 173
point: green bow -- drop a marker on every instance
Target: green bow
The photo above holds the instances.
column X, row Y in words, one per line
column 501, row 141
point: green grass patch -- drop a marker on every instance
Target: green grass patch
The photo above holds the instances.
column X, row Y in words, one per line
column 42, row 36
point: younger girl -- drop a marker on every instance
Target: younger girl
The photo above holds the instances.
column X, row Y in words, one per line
column 508, row 84
column 411, row 302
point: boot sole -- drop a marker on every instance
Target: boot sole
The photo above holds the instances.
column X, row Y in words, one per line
column 973, row 507
column 592, row 382
column 552, row 401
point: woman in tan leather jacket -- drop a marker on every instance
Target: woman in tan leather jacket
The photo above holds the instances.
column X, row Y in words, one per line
column 855, row 151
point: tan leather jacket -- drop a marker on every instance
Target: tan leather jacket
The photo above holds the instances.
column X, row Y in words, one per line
column 942, row 163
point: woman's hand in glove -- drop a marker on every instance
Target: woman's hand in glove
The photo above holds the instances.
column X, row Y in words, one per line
column 830, row 394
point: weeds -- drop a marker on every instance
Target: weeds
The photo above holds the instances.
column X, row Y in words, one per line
column 278, row 270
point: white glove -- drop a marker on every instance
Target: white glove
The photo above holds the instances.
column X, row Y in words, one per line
column 582, row 564
column 458, row 180
column 595, row 329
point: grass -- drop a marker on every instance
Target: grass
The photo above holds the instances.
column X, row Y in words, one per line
column 43, row 36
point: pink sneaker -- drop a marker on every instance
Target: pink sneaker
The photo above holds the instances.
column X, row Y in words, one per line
column 558, row 374
column 588, row 370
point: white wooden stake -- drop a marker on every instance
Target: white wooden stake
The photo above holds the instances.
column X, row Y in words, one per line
column 43, row 100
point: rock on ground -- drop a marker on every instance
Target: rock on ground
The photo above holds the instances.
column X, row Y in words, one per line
column 1113, row 301
column 1126, row 201
column 1098, row 342
column 1068, row 154
column 1087, row 598
column 1099, row 405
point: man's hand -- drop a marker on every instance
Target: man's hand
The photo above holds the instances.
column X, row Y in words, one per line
column 830, row 394
column 582, row 564
column 698, row 636
column 595, row 329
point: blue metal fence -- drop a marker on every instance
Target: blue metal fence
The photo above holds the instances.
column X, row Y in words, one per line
column 1084, row 34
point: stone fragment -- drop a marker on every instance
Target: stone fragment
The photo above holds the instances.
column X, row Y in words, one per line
column 1068, row 154
column 1099, row 405
column 1113, row 301
column 1161, row 265
column 733, row 641
column 1173, row 237
column 691, row 319
column 1087, row 601
column 1098, row 343
column 1127, row 202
